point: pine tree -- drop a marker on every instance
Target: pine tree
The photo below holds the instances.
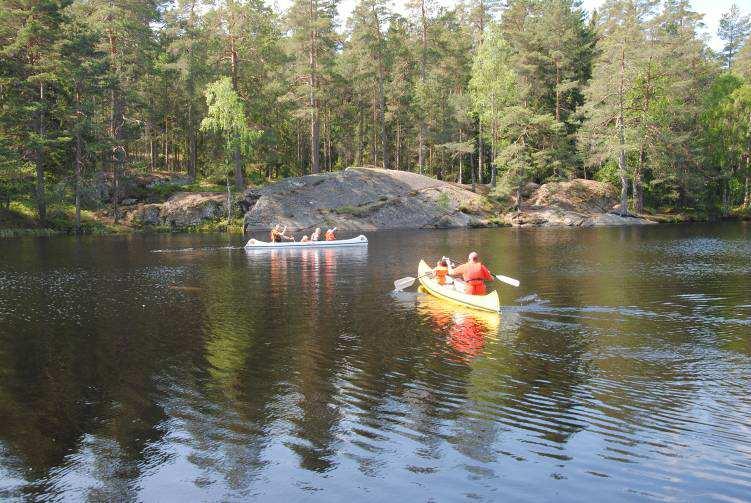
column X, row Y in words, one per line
column 610, row 133
column 733, row 30
column 31, row 30
column 502, row 96
column 312, row 23
column 367, row 49
column 84, row 77
column 127, row 37
column 400, row 87
column 187, row 46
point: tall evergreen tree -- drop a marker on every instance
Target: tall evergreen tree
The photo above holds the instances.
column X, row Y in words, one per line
column 610, row 131
column 32, row 42
column 733, row 29
column 312, row 23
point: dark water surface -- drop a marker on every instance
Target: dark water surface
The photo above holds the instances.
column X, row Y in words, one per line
column 175, row 368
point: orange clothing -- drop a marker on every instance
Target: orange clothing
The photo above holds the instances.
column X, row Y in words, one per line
column 440, row 274
column 274, row 235
column 474, row 274
column 330, row 235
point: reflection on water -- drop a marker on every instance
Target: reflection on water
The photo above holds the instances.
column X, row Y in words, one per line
column 465, row 329
column 619, row 369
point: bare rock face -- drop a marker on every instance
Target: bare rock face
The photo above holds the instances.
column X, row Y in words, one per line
column 144, row 214
column 364, row 199
column 186, row 209
column 182, row 210
column 578, row 203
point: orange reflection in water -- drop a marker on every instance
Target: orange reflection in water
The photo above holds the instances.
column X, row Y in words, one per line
column 466, row 329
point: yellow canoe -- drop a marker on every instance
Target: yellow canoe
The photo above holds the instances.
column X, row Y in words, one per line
column 489, row 302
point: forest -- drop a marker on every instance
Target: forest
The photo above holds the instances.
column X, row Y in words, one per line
column 235, row 93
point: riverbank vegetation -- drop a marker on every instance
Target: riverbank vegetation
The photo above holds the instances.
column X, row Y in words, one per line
column 236, row 92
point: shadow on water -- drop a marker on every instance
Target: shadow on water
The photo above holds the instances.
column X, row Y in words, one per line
column 620, row 367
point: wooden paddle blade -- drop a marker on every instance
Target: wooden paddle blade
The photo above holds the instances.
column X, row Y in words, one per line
column 507, row 280
column 403, row 283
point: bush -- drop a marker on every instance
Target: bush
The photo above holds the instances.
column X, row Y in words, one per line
column 609, row 174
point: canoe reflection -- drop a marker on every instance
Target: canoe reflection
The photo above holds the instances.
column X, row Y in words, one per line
column 310, row 271
column 466, row 329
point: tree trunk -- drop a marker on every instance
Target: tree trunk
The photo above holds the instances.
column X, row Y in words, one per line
column 423, row 63
column 166, row 143
column 638, row 188
column 150, row 141
column 479, row 155
column 192, row 153
column 41, row 199
column 557, row 92
column 358, row 151
column 116, row 119
column 461, row 155
column 299, row 148
column 237, row 160
column 747, row 193
column 313, row 89
column 622, row 137
column 374, row 132
column 78, row 160
column 398, row 143
column 382, row 118
column 236, row 154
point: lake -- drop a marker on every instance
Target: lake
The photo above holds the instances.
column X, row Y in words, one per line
column 181, row 367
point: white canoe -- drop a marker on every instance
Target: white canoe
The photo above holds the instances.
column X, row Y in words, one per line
column 358, row 241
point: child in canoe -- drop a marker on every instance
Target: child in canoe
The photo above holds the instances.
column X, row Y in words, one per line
column 441, row 272
column 316, row 236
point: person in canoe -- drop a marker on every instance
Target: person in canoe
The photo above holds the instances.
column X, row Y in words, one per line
column 316, row 236
column 441, row 271
column 278, row 234
column 330, row 236
column 474, row 275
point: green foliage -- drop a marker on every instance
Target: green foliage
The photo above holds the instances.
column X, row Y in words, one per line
column 230, row 88
column 226, row 117
column 733, row 30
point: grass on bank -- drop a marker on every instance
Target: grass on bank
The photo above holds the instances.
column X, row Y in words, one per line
column 21, row 219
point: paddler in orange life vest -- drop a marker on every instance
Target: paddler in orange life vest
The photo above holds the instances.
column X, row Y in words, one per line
column 330, row 236
column 474, row 274
column 441, row 270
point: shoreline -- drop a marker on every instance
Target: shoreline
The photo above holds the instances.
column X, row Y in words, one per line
column 235, row 228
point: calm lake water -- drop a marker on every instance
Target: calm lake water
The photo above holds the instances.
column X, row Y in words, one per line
column 182, row 368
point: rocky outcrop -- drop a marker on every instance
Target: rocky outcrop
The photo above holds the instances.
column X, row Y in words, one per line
column 365, row 199
column 180, row 211
column 578, row 203
column 137, row 187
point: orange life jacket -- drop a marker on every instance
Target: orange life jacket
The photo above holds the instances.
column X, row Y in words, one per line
column 330, row 235
column 475, row 275
column 440, row 274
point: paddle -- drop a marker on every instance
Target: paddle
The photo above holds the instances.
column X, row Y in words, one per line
column 507, row 280
column 407, row 282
